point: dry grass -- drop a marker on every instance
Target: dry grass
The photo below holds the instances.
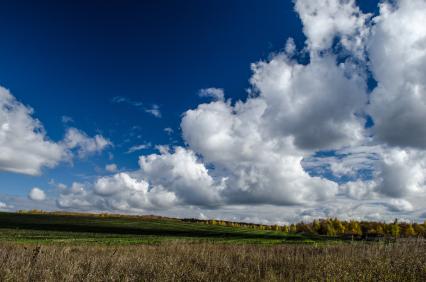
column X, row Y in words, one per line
column 402, row 261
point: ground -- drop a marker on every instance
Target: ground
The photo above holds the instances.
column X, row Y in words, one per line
column 83, row 247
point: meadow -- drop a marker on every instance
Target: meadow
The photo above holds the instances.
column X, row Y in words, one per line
column 83, row 247
column 178, row 261
column 48, row 228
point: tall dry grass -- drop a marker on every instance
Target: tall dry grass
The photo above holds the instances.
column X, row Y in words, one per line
column 401, row 261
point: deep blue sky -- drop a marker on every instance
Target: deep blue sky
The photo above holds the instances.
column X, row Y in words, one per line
column 72, row 57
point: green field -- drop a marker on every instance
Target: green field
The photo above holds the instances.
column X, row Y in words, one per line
column 119, row 230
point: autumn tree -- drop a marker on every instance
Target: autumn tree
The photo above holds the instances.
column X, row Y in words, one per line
column 395, row 230
column 409, row 231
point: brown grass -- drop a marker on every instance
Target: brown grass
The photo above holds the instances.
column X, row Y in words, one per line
column 401, row 261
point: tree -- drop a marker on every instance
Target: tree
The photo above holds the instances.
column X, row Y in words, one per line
column 395, row 230
column 354, row 228
column 327, row 228
column 316, row 226
column 409, row 231
column 302, row 228
column 379, row 230
column 338, row 226
column 330, row 231
column 420, row 229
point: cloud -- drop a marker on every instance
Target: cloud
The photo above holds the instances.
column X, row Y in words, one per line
column 181, row 173
column 67, row 119
column 168, row 130
column 397, row 50
column 258, row 168
column 319, row 104
column 154, row 110
column 324, row 21
column 163, row 181
column 399, row 205
column 111, row 167
column 136, row 148
column 4, row 206
column 214, row 93
column 25, row 147
column 174, row 178
column 120, row 192
column 37, row 194
column 85, row 145
column 121, row 100
column 402, row 173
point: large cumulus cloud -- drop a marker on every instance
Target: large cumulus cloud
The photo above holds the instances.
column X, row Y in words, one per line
column 319, row 105
column 397, row 50
column 257, row 167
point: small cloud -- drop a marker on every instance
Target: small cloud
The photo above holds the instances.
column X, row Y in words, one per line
column 58, row 185
column 67, row 119
column 4, row 206
column 118, row 99
column 154, row 110
column 138, row 148
column 61, row 186
column 214, row 93
column 37, row 194
column 168, row 130
column 125, row 100
column 111, row 167
column 77, row 139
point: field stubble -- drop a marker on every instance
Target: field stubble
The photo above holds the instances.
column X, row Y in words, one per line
column 404, row 260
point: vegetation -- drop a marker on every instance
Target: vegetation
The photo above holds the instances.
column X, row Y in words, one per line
column 335, row 227
column 60, row 227
column 404, row 260
column 41, row 246
column 46, row 228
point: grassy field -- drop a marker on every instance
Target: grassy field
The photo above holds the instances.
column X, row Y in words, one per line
column 179, row 261
column 52, row 247
column 79, row 229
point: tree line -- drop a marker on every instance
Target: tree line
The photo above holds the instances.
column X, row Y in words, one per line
column 336, row 227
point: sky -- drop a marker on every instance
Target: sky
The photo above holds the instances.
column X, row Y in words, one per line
column 269, row 112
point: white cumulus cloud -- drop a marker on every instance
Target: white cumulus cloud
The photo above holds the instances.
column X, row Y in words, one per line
column 37, row 194
column 397, row 50
column 85, row 145
column 24, row 146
